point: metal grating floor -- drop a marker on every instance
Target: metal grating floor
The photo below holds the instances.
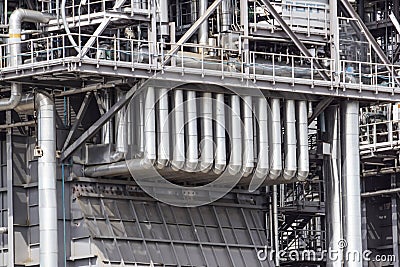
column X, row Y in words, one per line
column 127, row 232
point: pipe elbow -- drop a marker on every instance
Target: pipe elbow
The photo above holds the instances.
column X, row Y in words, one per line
column 247, row 171
column 162, row 163
column 289, row 174
column 219, row 168
column 302, row 175
column 191, row 166
column 177, row 165
column 262, row 172
column 15, row 98
column 274, row 174
column 205, row 167
column 234, row 169
column 117, row 156
column 20, row 15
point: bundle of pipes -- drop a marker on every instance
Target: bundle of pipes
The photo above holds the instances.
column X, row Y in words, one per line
column 202, row 132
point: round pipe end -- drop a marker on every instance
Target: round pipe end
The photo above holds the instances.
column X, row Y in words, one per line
column 274, row 174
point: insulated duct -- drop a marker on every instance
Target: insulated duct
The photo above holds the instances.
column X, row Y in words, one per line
column 351, row 180
column 47, row 181
column 276, row 159
column 206, row 143
column 226, row 9
column 290, row 141
column 332, row 175
column 218, row 132
column 17, row 17
column 303, row 167
column 203, row 29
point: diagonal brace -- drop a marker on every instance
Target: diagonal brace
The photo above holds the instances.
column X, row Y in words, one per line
column 102, row 120
column 79, row 117
column 192, row 30
column 100, row 29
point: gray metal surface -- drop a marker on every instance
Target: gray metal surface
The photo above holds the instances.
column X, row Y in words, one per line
column 145, row 232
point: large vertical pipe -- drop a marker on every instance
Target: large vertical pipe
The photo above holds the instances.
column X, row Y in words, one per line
column 47, row 181
column 203, row 29
column 262, row 169
column 150, row 127
column 302, row 134
column 227, row 14
column 179, row 126
column 163, row 17
column 207, row 143
column 290, row 141
column 163, row 129
column 235, row 163
column 248, row 146
column 332, row 179
column 141, row 123
column 121, row 138
column 220, row 159
column 276, row 159
column 192, row 142
column 351, row 181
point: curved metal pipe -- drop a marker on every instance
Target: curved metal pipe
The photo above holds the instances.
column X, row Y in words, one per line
column 276, row 159
column 15, row 24
column 163, row 128
column 248, row 145
column 47, row 181
column 207, row 143
column 66, row 27
column 178, row 161
column 235, row 164
column 220, row 160
column 290, row 141
column 302, row 129
column 192, row 143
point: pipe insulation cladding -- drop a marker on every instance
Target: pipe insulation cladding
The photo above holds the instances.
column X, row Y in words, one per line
column 47, row 181
column 199, row 132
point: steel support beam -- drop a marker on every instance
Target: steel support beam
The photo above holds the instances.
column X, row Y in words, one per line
column 322, row 105
column 100, row 122
column 79, row 117
column 192, row 30
column 294, row 38
column 395, row 224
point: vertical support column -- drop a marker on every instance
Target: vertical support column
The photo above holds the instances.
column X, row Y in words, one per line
column 395, row 224
column 364, row 230
column 10, row 192
column 334, row 38
column 332, row 177
column 351, row 184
